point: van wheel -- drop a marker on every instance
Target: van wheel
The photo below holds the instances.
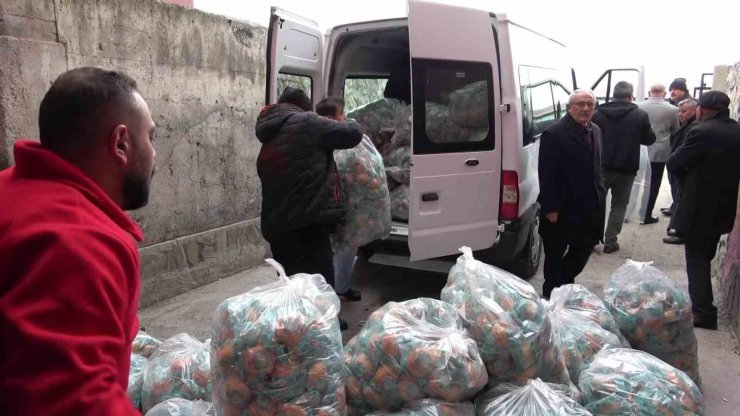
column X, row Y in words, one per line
column 528, row 261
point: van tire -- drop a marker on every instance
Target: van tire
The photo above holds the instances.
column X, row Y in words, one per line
column 528, row 261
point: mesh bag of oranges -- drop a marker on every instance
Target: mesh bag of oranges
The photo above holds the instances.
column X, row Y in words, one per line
column 654, row 314
column 135, row 380
column 277, row 349
column 182, row 407
column 144, row 344
column 409, row 351
column 505, row 316
column 365, row 194
column 179, row 368
column 623, row 381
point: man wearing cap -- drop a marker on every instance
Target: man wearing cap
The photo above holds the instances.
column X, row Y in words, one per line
column 300, row 187
column 707, row 165
column 678, row 91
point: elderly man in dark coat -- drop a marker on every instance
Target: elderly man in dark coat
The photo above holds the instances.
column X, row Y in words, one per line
column 572, row 194
column 708, row 168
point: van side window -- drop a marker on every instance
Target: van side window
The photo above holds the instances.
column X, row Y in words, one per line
column 453, row 106
column 296, row 81
column 359, row 91
column 543, row 107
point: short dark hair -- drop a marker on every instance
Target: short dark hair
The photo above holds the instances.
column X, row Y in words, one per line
column 297, row 97
column 329, row 106
column 623, row 90
column 79, row 104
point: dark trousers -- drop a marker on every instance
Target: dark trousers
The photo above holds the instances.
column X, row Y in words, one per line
column 620, row 185
column 565, row 256
column 304, row 251
column 656, row 179
column 676, row 192
column 673, row 180
column 699, row 254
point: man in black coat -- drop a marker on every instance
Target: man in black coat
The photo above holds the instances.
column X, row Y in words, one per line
column 624, row 127
column 300, row 187
column 572, row 194
column 687, row 117
column 708, row 168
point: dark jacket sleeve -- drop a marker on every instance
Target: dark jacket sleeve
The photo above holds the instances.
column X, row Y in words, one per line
column 689, row 152
column 337, row 134
column 549, row 174
column 648, row 135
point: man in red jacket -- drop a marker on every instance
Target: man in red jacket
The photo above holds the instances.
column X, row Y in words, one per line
column 69, row 266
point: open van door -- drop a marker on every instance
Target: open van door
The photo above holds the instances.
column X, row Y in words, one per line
column 603, row 88
column 294, row 56
column 456, row 133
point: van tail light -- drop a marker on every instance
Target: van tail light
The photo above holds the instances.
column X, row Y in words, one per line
column 509, row 195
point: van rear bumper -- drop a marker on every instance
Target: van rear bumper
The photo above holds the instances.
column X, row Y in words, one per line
column 510, row 243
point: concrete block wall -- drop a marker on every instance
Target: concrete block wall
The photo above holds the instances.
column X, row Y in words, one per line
column 203, row 78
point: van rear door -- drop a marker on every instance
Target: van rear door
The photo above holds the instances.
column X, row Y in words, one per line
column 456, row 134
column 603, row 88
column 294, row 56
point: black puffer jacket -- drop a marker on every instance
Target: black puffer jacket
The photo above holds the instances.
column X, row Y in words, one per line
column 624, row 128
column 300, row 188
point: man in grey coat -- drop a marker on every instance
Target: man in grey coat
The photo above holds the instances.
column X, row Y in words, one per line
column 664, row 121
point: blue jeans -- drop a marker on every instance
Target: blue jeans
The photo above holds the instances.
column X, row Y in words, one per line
column 344, row 262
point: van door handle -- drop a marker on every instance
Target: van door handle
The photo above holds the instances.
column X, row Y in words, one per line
column 472, row 162
column 430, row 197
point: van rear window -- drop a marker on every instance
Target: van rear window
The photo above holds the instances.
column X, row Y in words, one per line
column 359, row 91
column 302, row 82
column 453, row 106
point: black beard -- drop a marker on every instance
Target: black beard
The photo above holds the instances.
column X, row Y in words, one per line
column 135, row 192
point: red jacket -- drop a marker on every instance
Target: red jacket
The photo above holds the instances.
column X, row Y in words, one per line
column 69, row 289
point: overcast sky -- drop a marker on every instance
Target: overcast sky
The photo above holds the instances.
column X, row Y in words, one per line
column 669, row 38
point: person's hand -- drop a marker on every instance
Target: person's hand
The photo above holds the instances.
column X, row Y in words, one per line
column 552, row 217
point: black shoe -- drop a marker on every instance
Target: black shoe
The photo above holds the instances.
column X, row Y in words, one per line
column 649, row 220
column 611, row 248
column 351, row 295
column 343, row 326
column 666, row 211
column 670, row 232
column 673, row 239
column 705, row 323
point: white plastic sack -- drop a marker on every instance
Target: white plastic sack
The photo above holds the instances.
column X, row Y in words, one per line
column 640, row 189
column 430, row 407
column 182, row 407
column 535, row 398
column 277, row 349
column 136, row 380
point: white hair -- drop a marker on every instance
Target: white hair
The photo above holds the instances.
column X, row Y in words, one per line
column 579, row 91
column 689, row 101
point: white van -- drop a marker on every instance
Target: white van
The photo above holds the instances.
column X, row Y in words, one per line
column 480, row 191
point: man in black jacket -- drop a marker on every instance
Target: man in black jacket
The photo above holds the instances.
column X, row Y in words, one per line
column 300, row 187
column 571, row 191
column 678, row 91
column 687, row 117
column 707, row 165
column 624, row 127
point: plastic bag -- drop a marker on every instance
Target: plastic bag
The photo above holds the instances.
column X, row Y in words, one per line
column 469, row 105
column 179, row 368
column 431, row 407
column 578, row 338
column 182, row 407
column 654, row 314
column 503, row 313
column 622, row 381
column 639, row 196
column 400, row 157
column 409, row 351
column 144, row 344
column 402, row 126
column 376, row 116
column 401, row 175
column 400, row 203
column 278, row 349
column 585, row 303
column 440, row 128
column 136, row 380
column 536, row 398
column 365, row 193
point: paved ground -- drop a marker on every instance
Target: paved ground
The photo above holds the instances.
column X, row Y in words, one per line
column 718, row 359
